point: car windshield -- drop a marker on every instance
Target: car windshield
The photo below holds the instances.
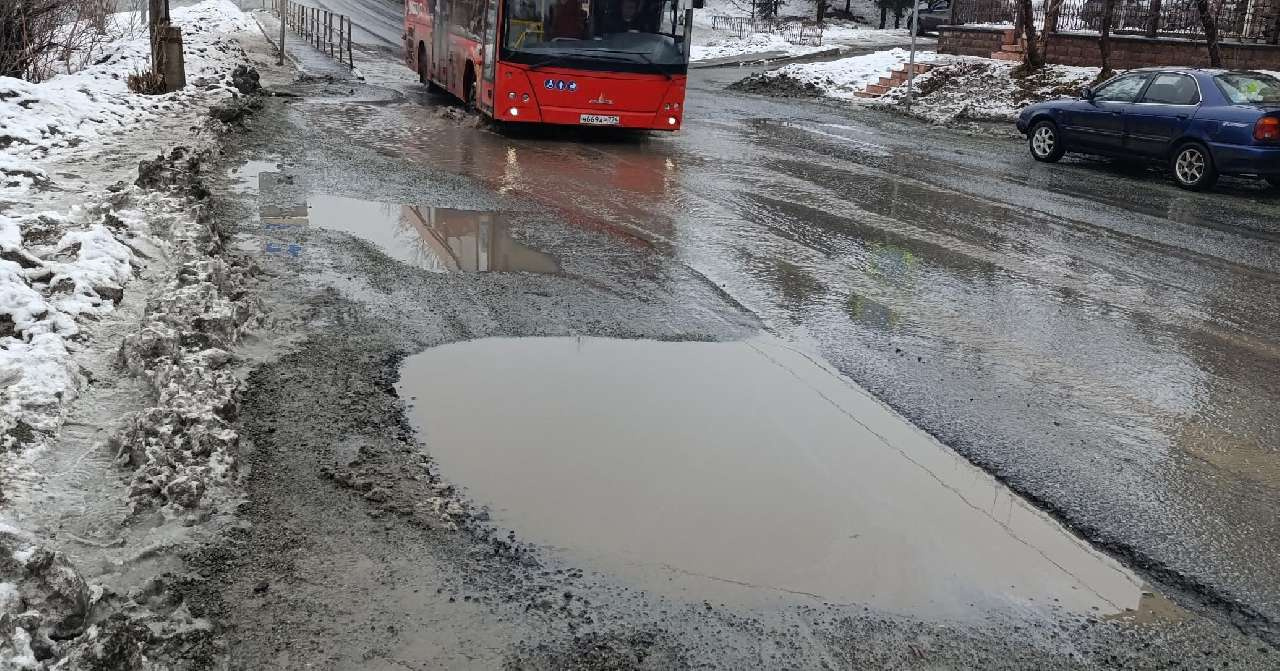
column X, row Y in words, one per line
column 1250, row 87
column 567, row 32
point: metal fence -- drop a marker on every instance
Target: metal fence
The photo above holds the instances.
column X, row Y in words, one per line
column 327, row 31
column 794, row 32
column 1255, row 21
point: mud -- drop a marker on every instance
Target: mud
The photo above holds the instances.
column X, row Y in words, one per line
column 356, row 548
column 776, row 86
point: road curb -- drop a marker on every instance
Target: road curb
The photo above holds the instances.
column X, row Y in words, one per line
column 767, row 57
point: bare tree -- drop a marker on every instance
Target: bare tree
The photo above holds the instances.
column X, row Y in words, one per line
column 1051, row 13
column 1104, row 37
column 1031, row 57
column 39, row 37
column 1210, row 24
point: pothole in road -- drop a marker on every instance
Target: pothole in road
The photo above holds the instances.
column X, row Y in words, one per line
column 433, row 238
column 741, row 470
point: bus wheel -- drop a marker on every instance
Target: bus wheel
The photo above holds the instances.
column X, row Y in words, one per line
column 423, row 77
column 469, row 89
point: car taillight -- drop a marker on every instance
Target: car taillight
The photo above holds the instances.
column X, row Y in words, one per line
column 1267, row 129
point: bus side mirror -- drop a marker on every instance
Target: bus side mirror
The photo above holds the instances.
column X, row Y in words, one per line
column 699, row 4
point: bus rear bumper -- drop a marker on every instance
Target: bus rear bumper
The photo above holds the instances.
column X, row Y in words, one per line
column 593, row 118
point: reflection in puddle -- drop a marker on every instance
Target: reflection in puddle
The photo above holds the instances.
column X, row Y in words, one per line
column 433, row 238
column 739, row 470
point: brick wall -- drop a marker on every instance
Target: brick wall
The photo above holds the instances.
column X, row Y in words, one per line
column 1127, row 51
column 964, row 41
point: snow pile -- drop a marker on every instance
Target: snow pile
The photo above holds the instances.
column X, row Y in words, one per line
column 838, row 79
column 757, row 43
column 67, row 110
column 53, row 270
column 183, row 444
column 983, row 89
column 59, row 269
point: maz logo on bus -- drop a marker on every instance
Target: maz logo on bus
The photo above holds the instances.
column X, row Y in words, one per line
column 560, row 85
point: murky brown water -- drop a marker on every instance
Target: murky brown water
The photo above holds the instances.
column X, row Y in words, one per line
column 740, row 470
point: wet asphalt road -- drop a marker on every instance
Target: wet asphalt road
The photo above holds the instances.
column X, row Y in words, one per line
column 1096, row 338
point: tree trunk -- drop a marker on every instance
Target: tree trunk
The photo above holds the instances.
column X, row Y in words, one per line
column 1051, row 12
column 884, row 16
column 1031, row 55
column 1104, row 37
column 1153, row 22
column 1210, row 32
column 822, row 10
column 846, row 7
column 897, row 18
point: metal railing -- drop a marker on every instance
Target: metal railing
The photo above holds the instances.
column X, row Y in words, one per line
column 794, row 32
column 1256, row 21
column 329, row 32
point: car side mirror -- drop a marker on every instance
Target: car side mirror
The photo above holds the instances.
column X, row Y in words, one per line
column 1086, row 93
column 699, row 4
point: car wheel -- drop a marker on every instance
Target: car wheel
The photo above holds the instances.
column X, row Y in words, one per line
column 1045, row 142
column 1192, row 167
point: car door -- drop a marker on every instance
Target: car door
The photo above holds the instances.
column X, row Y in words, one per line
column 1097, row 124
column 1161, row 114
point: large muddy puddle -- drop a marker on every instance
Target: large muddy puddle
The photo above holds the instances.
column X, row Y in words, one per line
column 740, row 470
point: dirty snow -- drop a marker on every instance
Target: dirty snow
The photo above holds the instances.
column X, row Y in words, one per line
column 710, row 43
column 37, row 120
column 57, row 268
column 983, row 89
column 842, row 78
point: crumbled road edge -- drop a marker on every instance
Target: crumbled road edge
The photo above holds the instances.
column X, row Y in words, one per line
column 185, row 445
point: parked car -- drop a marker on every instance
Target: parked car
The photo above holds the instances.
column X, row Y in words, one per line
column 1203, row 123
column 933, row 13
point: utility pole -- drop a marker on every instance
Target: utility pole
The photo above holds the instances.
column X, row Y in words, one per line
column 911, row 63
column 281, row 6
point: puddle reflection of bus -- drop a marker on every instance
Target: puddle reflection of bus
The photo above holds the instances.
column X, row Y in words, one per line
column 618, row 63
column 471, row 241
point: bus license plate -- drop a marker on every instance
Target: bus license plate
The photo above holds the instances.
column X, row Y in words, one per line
column 598, row 120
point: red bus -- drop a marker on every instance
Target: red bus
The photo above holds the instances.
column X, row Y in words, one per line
column 578, row 62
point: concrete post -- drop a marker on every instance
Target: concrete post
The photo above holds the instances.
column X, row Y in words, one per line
column 174, row 68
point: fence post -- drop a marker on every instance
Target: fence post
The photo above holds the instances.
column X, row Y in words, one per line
column 350, row 61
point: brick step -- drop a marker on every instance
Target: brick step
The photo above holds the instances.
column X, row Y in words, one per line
column 1010, row 36
column 889, row 81
column 921, row 68
column 1012, row 48
column 1006, row 56
column 864, row 94
column 877, row 89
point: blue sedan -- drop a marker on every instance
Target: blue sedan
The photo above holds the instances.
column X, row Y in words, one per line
column 1204, row 123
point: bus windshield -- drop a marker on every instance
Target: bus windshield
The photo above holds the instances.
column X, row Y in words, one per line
column 631, row 35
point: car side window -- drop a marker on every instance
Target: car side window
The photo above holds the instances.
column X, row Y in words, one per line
column 1122, row 90
column 1172, row 89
